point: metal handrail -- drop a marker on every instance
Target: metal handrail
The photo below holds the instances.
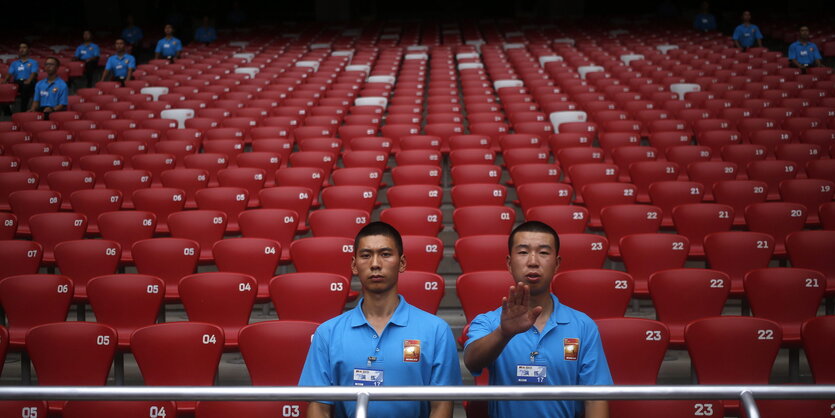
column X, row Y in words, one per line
column 745, row 393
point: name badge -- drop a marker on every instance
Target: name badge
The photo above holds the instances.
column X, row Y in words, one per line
column 368, row 377
column 747, row 34
column 21, row 68
column 531, row 374
column 118, row 67
column 803, row 52
column 44, row 93
column 704, row 20
column 166, row 45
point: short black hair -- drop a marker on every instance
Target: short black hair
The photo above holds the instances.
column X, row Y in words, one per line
column 533, row 226
column 24, row 43
column 380, row 228
column 57, row 61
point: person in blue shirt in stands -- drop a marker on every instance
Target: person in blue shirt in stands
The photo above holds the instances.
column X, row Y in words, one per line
column 23, row 72
column 803, row 53
column 132, row 34
column 383, row 341
column 532, row 339
column 88, row 53
column 747, row 34
column 704, row 21
column 168, row 47
column 51, row 93
column 206, row 33
column 119, row 65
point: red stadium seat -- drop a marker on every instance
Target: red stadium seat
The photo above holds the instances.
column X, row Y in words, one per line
column 161, row 201
column 621, row 220
column 423, row 290
column 211, row 162
column 178, row 354
column 481, row 253
column 739, row 194
column 25, row 203
column 483, row 220
column 167, row 258
column 818, row 341
column 738, row 252
column 221, row 298
column 478, row 194
column 788, row 296
column 291, row 294
column 125, row 302
column 674, row 290
column 189, row 180
column 83, row 259
column 810, row 193
column 645, row 254
column 777, row 219
column 308, row 177
column 338, row 222
column 414, row 220
column 602, row 195
column 30, row 300
column 811, row 249
column 482, row 291
column 127, row 227
column 307, row 255
column 634, row 347
column 595, row 292
column 203, row 226
column 229, row 200
column 423, row 253
column 415, row 195
column 15, row 181
column 416, row 174
column 93, row 203
column 126, row 181
column 294, row 198
column 772, row 172
column 257, row 257
column 696, row 220
column 350, row 197
column 8, row 225
column 476, row 173
column 49, row 229
column 124, row 409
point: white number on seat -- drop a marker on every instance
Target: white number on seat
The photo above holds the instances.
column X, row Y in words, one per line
column 717, row 283
column 765, row 334
column 430, row 286
column 678, row 246
column 157, row 412
column 703, row 410
column 336, row 287
column 621, row 284
column 812, row 282
column 290, row 411
column 597, row 246
column 209, row 339
column 653, row 335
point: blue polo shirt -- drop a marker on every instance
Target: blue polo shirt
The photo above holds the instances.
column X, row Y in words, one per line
column 132, row 35
column 704, row 22
column 169, row 47
column 805, row 54
column 415, row 349
column 119, row 66
column 568, row 347
column 87, row 51
column 747, row 35
column 205, row 35
column 51, row 93
column 22, row 69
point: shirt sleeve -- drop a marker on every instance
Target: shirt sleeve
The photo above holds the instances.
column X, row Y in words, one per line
column 13, row 69
column 480, row 327
column 37, row 97
column 317, row 370
column 792, row 52
column 737, row 33
column 757, row 33
column 132, row 63
column 446, row 370
column 159, row 47
column 594, row 369
column 108, row 65
column 78, row 52
column 96, row 51
column 817, row 53
column 35, row 68
column 178, row 46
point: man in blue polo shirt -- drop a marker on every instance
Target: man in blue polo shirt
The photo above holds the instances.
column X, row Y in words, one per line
column 803, row 53
column 704, row 21
column 383, row 341
column 747, row 34
column 532, row 339
column 51, row 93
column 119, row 65
column 88, row 53
column 23, row 72
column 206, row 33
column 168, row 47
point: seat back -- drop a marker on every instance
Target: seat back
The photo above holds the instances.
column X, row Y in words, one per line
column 746, row 353
column 421, row 289
column 72, row 353
column 634, row 347
column 597, row 293
column 178, row 353
column 221, row 298
column 123, row 409
column 482, row 291
column 291, row 294
column 126, row 302
column 683, row 295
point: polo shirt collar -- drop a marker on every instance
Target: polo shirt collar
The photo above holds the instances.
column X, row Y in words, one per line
column 400, row 317
column 560, row 315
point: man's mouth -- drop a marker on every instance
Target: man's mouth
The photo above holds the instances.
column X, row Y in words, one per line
column 533, row 276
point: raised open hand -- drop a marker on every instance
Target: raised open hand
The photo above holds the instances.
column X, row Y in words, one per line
column 517, row 315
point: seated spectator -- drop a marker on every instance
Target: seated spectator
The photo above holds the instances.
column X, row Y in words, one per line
column 747, row 34
column 803, row 53
column 88, row 53
column 705, row 21
column 206, row 33
column 120, row 65
column 168, row 47
column 23, row 72
column 51, row 93
column 132, row 34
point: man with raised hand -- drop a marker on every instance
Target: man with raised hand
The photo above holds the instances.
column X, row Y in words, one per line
column 383, row 341
column 532, row 339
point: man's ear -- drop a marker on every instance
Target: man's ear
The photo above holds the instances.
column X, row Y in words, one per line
column 403, row 263
column 507, row 261
column 354, row 265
